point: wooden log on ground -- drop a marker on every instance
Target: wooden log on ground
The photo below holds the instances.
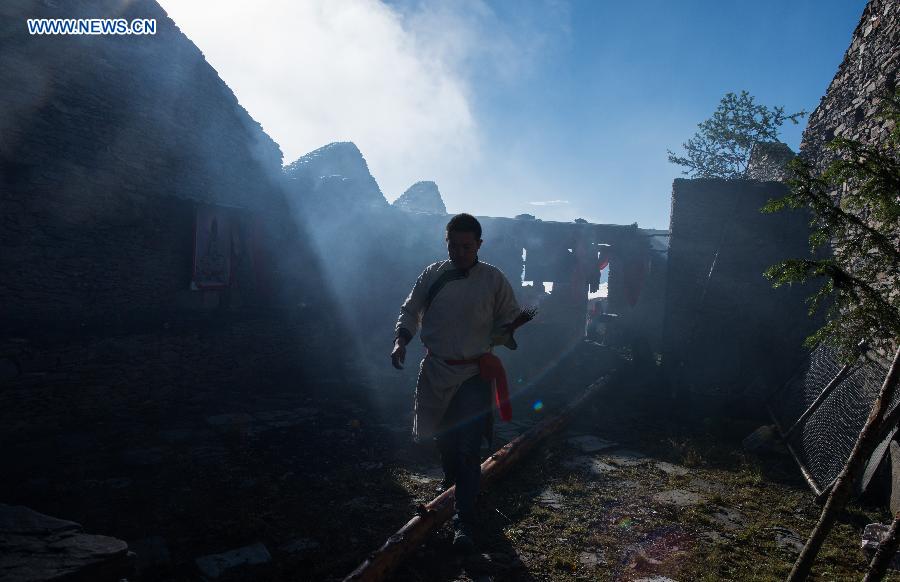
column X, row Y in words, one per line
column 380, row 563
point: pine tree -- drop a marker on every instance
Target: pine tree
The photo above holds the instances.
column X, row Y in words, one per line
column 722, row 146
column 855, row 208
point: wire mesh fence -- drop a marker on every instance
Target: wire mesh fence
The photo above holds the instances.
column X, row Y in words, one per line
column 823, row 441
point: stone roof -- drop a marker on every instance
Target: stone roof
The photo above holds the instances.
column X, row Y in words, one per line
column 422, row 197
column 768, row 161
column 339, row 159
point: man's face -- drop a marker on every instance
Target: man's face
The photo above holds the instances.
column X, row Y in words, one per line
column 462, row 248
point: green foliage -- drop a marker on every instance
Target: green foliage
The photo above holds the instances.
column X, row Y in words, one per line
column 721, row 149
column 855, row 207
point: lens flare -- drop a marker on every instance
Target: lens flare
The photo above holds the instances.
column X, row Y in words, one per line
column 538, row 406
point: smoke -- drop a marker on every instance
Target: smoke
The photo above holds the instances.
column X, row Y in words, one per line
column 322, row 71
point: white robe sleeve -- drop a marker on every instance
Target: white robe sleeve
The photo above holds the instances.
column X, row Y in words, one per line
column 506, row 308
column 411, row 311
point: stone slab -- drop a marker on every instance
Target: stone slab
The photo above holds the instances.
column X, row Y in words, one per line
column 550, row 498
column 590, row 465
column 873, row 535
column 679, row 497
column 788, row 539
column 627, row 458
column 592, row 559
column 40, row 547
column 730, row 519
column 672, row 469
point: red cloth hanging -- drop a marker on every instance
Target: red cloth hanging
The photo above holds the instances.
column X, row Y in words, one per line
column 603, row 258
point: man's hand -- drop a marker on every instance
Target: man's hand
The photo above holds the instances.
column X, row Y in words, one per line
column 398, row 355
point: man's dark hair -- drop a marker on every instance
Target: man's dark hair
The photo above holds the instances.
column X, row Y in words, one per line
column 464, row 223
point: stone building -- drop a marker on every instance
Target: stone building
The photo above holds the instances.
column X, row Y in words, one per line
column 160, row 268
column 849, row 109
column 147, row 252
column 739, row 305
column 869, row 71
column 108, row 153
column 422, row 196
column 729, row 337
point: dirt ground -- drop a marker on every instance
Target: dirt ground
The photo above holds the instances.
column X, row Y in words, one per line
column 631, row 489
column 634, row 491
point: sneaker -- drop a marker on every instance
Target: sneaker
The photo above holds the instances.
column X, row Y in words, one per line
column 463, row 541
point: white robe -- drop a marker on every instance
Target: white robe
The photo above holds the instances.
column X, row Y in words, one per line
column 456, row 326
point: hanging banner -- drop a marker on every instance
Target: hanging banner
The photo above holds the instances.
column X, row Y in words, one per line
column 212, row 248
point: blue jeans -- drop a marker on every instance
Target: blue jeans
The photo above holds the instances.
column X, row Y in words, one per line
column 459, row 441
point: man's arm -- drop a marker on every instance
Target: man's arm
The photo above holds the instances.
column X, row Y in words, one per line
column 409, row 321
column 506, row 307
column 506, row 312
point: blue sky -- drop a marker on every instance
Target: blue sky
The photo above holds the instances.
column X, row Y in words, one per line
column 558, row 109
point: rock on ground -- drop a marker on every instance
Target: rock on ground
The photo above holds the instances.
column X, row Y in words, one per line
column 788, row 539
column 873, row 535
column 39, row 547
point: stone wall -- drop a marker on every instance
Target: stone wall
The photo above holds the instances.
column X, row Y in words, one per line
column 374, row 251
column 189, row 367
column 850, row 106
column 107, row 146
column 868, row 71
column 729, row 334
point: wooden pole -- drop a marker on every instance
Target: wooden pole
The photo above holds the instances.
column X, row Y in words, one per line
column 875, row 429
column 807, row 474
column 886, row 552
column 842, row 373
column 383, row 561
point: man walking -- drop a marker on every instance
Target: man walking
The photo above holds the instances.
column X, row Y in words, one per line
column 463, row 307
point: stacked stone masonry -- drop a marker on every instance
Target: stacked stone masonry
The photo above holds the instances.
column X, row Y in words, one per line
column 107, row 146
column 728, row 335
column 869, row 70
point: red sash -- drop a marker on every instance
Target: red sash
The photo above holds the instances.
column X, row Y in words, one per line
column 490, row 368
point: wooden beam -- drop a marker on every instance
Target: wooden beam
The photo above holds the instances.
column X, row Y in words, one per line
column 383, row 561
